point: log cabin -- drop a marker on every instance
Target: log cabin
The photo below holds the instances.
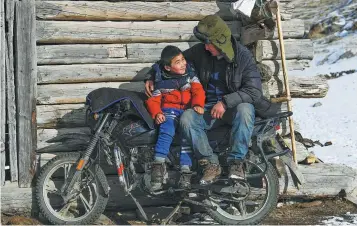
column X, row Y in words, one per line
column 53, row 53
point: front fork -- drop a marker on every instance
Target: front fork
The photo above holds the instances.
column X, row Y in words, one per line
column 68, row 187
column 120, row 168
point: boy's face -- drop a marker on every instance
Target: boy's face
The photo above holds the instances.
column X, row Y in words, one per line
column 178, row 65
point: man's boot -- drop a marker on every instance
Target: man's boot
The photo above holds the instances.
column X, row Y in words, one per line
column 158, row 171
column 236, row 171
column 210, row 174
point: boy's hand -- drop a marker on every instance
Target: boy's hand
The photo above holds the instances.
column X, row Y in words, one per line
column 199, row 110
column 160, row 118
column 149, row 87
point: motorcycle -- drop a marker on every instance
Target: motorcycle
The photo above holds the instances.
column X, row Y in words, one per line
column 73, row 189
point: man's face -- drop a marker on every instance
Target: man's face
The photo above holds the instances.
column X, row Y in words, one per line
column 212, row 49
column 178, row 65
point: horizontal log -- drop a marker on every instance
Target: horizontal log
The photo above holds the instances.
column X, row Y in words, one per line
column 270, row 68
column 64, row 139
column 92, row 73
column 104, row 54
column 300, row 86
column 70, row 116
column 151, row 52
column 324, row 180
column 291, row 29
column 136, row 72
column 81, row 54
column 118, row 32
column 76, row 93
column 74, row 135
column 294, row 49
column 51, row 138
column 62, row 115
column 87, row 10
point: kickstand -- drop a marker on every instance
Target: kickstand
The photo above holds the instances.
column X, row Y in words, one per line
column 168, row 219
column 141, row 210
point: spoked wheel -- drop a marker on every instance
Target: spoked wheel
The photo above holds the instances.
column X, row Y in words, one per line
column 253, row 201
column 87, row 200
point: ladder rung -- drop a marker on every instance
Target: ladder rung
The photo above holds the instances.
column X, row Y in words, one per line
column 280, row 99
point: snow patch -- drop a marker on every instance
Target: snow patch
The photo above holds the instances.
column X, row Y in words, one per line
column 347, row 219
column 336, row 119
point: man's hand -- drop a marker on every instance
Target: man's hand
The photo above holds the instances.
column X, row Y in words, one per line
column 199, row 110
column 149, row 87
column 160, row 118
column 218, row 110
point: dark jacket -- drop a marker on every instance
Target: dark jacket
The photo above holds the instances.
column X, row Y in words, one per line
column 242, row 76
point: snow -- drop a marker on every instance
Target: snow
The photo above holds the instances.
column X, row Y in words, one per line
column 336, row 119
column 348, row 26
column 346, row 219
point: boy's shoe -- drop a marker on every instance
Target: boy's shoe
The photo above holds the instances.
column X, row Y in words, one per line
column 236, row 170
column 210, row 174
column 158, row 170
column 185, row 180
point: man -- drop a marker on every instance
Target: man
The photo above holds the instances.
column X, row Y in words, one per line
column 233, row 88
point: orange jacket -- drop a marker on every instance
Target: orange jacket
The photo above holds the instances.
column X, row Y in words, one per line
column 181, row 92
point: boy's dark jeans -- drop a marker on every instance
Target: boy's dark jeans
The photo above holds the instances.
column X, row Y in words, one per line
column 193, row 128
column 167, row 134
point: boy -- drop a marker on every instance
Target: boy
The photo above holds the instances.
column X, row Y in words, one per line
column 176, row 89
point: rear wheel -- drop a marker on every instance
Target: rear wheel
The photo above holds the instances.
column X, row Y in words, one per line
column 254, row 201
column 89, row 199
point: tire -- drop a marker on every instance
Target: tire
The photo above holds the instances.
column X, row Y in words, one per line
column 269, row 204
column 100, row 200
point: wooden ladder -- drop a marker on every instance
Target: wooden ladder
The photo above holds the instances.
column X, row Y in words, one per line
column 274, row 6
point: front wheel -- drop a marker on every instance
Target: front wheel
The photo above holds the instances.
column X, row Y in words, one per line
column 88, row 200
column 255, row 200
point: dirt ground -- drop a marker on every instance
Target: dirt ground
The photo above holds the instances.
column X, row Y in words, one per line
column 307, row 213
column 310, row 213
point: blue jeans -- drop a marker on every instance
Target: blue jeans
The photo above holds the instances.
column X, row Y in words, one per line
column 194, row 126
column 167, row 134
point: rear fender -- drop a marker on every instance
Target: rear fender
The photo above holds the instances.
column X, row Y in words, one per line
column 288, row 160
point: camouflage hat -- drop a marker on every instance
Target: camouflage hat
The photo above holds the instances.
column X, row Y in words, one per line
column 214, row 30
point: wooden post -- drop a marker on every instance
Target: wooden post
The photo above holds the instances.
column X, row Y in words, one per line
column 25, row 76
column 275, row 4
column 2, row 94
column 10, row 82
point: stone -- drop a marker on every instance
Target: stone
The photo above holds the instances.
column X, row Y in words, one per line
column 328, row 143
column 318, row 104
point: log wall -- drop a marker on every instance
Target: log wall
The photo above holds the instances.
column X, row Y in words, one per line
column 84, row 45
column 26, row 90
column 2, row 94
column 13, row 38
